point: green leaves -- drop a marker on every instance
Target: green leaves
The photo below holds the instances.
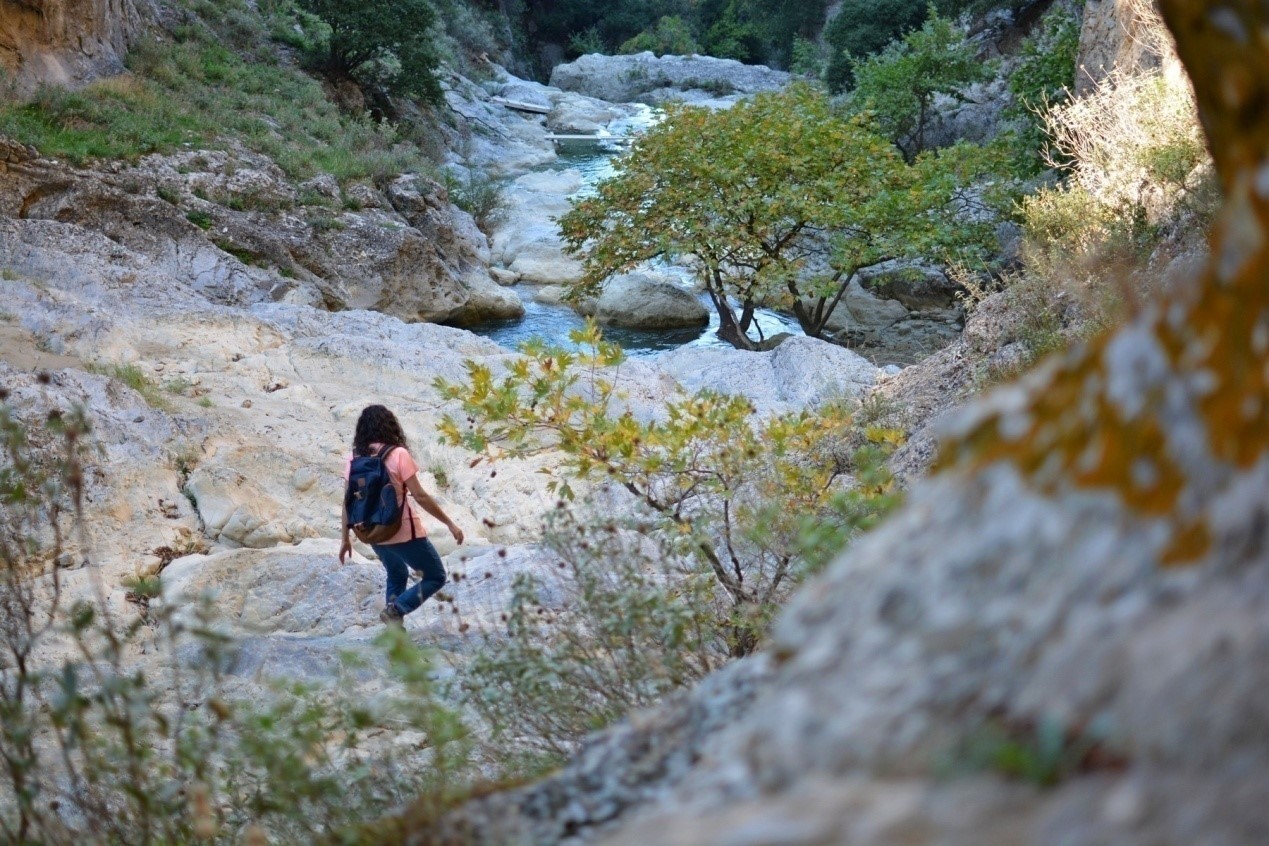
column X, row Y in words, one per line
column 898, row 84
column 390, row 41
column 778, row 201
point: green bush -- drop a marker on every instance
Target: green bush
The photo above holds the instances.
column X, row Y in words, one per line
column 1043, row 80
column 737, row 488
column 390, row 41
column 862, row 28
column 480, row 195
column 671, row 35
column 748, row 30
column 898, row 85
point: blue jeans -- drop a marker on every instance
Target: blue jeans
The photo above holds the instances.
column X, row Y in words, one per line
column 420, row 555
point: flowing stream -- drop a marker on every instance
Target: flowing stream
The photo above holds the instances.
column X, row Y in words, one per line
column 553, row 323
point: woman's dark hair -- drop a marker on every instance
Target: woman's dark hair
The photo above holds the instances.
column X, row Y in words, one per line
column 377, row 425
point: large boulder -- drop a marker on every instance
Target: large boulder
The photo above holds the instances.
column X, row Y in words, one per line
column 647, row 78
column 800, row 373
column 648, row 301
column 897, row 313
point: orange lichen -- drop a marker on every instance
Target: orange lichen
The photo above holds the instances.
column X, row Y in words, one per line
column 1212, row 340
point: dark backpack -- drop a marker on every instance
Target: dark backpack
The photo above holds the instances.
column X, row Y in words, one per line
column 374, row 513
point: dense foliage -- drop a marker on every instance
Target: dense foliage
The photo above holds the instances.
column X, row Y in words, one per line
column 1043, row 80
column 862, row 28
column 748, row 30
column 898, row 85
column 390, row 41
column 778, row 201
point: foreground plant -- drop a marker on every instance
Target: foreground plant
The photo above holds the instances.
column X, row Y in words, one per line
column 621, row 618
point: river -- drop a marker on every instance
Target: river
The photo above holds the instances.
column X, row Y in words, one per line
column 553, row 323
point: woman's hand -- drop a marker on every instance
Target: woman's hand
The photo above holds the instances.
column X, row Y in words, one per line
column 455, row 531
column 345, row 550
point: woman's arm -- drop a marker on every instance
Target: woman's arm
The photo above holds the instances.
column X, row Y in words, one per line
column 345, row 546
column 424, row 499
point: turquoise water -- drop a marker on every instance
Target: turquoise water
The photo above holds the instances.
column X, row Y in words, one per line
column 553, row 323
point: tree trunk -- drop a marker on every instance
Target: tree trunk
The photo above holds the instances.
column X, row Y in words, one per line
column 729, row 329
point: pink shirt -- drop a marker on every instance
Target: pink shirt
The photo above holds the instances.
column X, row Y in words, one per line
column 401, row 467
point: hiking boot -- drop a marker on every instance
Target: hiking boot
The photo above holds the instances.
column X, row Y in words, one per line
column 392, row 616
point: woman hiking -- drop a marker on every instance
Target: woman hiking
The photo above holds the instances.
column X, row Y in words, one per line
column 380, row 436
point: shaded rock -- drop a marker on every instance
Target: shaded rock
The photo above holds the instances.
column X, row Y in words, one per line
column 914, row 286
column 648, row 301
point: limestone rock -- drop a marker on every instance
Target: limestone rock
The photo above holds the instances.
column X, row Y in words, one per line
column 1118, row 35
column 648, row 301
column 645, row 78
column 231, row 221
column 801, row 372
column 528, row 241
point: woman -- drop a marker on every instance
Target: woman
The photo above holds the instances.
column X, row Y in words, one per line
column 409, row 547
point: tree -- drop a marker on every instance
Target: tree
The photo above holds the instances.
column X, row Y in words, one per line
column 899, row 84
column 777, row 201
column 862, row 28
column 388, row 40
column 670, row 35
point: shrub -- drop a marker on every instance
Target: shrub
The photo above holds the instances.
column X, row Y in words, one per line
column 1041, row 82
column 389, row 41
column 736, row 486
column 862, row 28
column 478, row 194
column 585, row 42
column 671, row 35
column 1133, row 142
column 626, row 620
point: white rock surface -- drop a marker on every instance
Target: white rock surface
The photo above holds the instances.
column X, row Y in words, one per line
column 528, row 241
column 801, row 372
column 645, row 78
column 648, row 301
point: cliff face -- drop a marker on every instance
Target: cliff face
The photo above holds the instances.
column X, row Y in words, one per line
column 1119, row 36
column 65, row 42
